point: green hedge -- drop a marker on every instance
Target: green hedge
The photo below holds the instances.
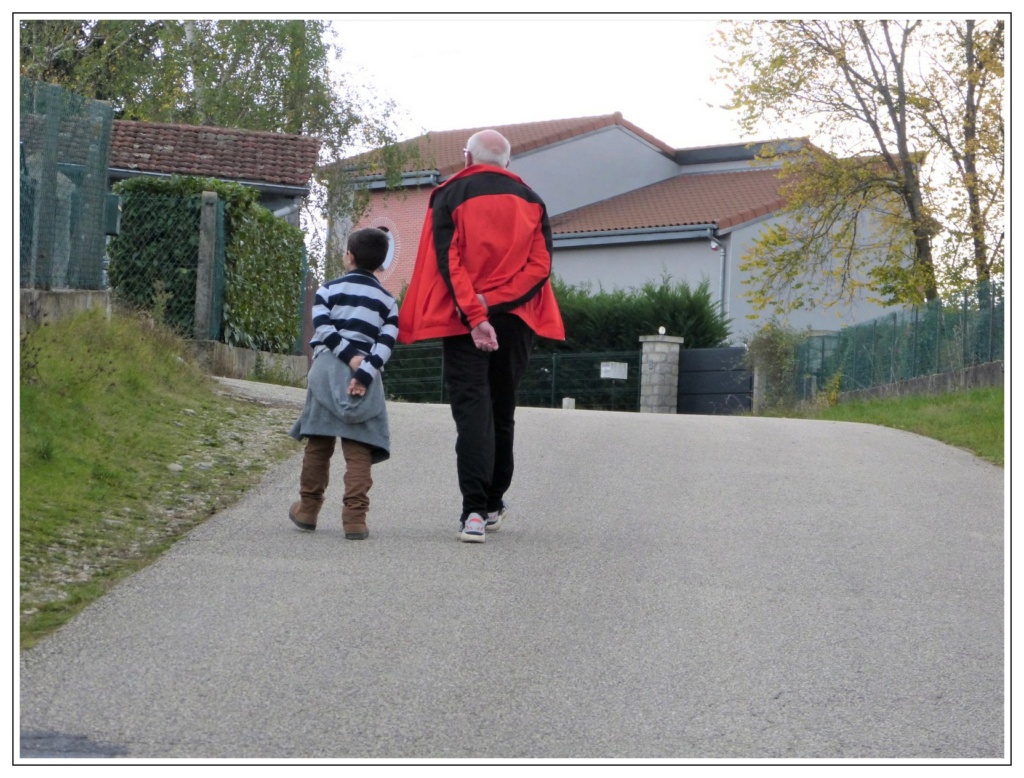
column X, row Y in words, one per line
column 264, row 259
column 153, row 260
column 614, row 321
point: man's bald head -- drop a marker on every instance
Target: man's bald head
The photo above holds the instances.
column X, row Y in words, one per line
column 488, row 147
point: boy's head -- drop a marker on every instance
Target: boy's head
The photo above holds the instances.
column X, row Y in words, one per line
column 369, row 248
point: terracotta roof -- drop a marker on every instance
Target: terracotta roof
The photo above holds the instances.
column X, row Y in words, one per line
column 723, row 199
column 218, row 152
column 442, row 151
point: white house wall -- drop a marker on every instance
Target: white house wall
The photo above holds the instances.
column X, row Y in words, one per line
column 591, row 168
column 631, row 265
column 738, row 243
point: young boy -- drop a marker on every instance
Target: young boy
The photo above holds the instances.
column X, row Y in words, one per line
column 356, row 323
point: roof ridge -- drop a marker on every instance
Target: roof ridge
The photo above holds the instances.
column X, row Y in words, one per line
column 217, row 129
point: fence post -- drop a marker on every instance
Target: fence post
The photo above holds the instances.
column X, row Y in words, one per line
column 554, row 377
column 659, row 373
column 204, row 270
column 757, row 400
column 46, row 192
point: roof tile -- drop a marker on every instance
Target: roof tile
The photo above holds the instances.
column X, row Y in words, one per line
column 218, row 152
column 442, row 151
column 723, row 199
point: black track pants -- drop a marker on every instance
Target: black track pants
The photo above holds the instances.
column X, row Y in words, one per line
column 482, row 391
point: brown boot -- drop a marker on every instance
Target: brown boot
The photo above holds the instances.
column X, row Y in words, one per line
column 316, row 473
column 355, row 530
column 358, row 459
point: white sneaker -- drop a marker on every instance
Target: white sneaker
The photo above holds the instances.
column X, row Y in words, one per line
column 472, row 530
column 494, row 519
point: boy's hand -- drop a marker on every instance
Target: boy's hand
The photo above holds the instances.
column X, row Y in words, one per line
column 355, row 362
column 355, row 388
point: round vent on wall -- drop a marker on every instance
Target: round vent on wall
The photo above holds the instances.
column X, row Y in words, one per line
column 391, row 247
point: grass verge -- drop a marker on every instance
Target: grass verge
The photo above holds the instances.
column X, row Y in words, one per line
column 125, row 446
column 972, row 419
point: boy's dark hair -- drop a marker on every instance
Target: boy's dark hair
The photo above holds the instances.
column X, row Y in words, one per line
column 369, row 247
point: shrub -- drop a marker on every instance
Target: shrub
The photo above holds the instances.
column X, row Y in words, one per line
column 153, row 261
column 614, row 321
column 773, row 353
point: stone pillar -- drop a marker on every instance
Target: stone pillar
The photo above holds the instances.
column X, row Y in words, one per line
column 659, row 373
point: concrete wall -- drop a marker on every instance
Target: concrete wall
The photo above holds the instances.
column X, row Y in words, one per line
column 991, row 374
column 38, row 305
column 220, row 359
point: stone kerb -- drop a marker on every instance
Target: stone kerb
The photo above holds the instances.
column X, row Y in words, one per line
column 659, row 373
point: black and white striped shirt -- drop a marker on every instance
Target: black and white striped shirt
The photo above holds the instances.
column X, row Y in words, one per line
column 354, row 315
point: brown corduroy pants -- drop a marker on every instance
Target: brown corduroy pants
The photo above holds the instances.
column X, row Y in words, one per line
column 316, row 469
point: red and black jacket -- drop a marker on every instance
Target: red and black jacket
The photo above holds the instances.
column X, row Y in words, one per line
column 486, row 233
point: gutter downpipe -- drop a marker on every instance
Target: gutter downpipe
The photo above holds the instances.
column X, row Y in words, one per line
column 717, row 245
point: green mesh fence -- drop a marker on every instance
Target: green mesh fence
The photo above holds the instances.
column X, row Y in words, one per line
column 414, row 374
column 64, row 149
column 941, row 337
column 153, row 261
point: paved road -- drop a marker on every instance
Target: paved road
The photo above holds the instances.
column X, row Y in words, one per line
column 668, row 587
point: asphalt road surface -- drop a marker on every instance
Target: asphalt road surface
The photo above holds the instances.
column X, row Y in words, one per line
column 676, row 588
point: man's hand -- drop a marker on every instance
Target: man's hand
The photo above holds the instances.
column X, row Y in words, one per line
column 484, row 337
column 355, row 388
column 355, row 362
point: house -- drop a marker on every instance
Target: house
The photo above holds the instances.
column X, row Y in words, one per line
column 279, row 166
column 625, row 208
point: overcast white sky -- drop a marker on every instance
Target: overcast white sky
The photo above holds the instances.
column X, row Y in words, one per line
column 459, row 71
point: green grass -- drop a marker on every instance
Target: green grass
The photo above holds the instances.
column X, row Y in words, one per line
column 125, row 446
column 971, row 419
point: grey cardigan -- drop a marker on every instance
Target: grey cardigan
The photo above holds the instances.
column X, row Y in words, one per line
column 331, row 411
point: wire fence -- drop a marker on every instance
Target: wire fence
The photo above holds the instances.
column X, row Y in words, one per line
column 415, row 374
column 65, row 212
column 153, row 261
column 941, row 337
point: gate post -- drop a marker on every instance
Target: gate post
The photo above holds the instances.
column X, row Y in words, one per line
column 203, row 324
column 659, row 373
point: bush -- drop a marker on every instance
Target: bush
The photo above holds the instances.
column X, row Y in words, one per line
column 154, row 258
column 153, row 261
column 773, row 353
column 614, row 321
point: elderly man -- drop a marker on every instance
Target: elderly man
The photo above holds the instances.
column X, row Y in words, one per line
column 481, row 283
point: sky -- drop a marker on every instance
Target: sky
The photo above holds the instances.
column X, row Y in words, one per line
column 455, row 71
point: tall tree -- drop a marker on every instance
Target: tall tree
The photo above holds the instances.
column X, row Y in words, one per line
column 272, row 75
column 871, row 210
column 961, row 104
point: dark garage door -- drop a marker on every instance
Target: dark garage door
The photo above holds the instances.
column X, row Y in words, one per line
column 714, row 381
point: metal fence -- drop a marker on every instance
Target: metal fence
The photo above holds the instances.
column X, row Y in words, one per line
column 415, row 374
column 153, row 261
column 64, row 210
column 941, row 337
